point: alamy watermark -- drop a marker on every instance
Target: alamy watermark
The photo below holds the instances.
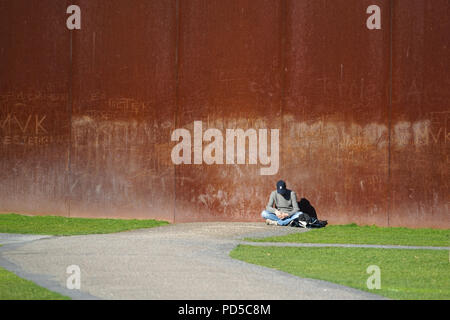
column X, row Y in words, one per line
column 373, row 22
column 374, row 281
column 236, row 150
column 73, row 22
column 74, row 280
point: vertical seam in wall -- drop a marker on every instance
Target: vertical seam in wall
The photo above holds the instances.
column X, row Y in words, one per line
column 390, row 195
column 69, row 107
column 283, row 28
column 177, row 38
column 70, row 111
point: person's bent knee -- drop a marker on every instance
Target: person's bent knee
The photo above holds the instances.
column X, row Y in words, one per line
column 297, row 214
column 268, row 215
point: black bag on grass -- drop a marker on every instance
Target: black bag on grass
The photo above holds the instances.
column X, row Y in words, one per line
column 304, row 220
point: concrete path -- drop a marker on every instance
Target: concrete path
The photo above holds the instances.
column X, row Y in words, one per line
column 179, row 261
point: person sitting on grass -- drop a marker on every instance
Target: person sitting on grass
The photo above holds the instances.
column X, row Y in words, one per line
column 286, row 210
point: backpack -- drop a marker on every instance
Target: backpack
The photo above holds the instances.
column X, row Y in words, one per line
column 305, row 221
column 308, row 219
column 316, row 223
column 305, row 206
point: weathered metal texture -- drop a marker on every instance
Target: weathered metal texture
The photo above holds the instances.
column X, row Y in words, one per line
column 229, row 78
column 335, row 116
column 123, row 109
column 86, row 116
column 34, row 117
column 420, row 113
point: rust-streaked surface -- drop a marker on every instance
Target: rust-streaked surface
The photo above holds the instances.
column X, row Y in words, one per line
column 335, row 117
column 34, row 115
column 123, row 110
column 229, row 78
column 86, row 116
column 420, row 113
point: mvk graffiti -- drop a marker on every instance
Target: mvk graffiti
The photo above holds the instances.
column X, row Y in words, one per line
column 26, row 130
column 32, row 124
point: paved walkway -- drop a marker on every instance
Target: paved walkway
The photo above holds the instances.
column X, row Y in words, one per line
column 179, row 261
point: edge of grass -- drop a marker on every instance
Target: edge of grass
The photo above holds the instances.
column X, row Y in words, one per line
column 13, row 287
column 402, row 271
column 64, row 226
column 354, row 234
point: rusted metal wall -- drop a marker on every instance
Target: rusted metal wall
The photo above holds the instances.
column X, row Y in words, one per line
column 123, row 109
column 229, row 77
column 420, row 113
column 335, row 117
column 87, row 116
column 34, row 110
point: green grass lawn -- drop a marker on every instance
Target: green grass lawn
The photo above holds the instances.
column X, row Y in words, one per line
column 13, row 287
column 62, row 226
column 405, row 274
column 368, row 235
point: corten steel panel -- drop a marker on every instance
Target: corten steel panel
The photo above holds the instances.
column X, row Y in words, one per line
column 420, row 113
column 123, row 110
column 335, row 115
column 34, row 114
column 229, row 78
column 86, row 116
